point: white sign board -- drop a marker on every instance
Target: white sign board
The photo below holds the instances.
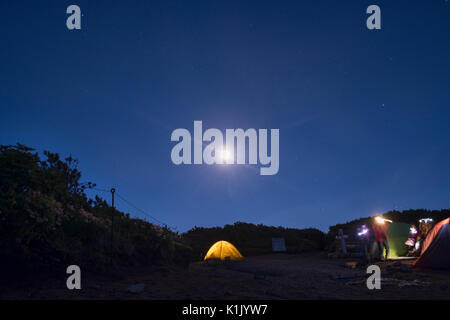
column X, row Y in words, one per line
column 278, row 245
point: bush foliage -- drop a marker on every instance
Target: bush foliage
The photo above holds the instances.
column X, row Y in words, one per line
column 46, row 219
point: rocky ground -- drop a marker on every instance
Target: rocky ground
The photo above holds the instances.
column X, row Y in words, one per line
column 277, row 276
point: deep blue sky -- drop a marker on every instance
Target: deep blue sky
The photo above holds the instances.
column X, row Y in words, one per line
column 363, row 115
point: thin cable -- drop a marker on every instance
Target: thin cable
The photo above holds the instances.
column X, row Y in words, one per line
column 132, row 205
column 142, row 211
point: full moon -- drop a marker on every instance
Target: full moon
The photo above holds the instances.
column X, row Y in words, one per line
column 225, row 156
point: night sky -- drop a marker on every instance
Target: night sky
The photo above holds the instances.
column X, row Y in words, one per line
column 363, row 114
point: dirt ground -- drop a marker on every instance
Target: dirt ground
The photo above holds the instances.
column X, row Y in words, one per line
column 277, row 276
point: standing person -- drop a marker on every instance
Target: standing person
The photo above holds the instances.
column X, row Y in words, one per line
column 364, row 239
column 425, row 225
column 380, row 237
column 412, row 241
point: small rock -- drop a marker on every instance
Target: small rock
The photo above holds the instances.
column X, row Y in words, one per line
column 136, row 288
column 351, row 264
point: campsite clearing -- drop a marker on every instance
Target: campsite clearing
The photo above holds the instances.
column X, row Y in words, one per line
column 275, row 276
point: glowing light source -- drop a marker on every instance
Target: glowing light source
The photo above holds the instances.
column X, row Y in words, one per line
column 364, row 230
column 426, row 220
column 381, row 220
column 225, row 156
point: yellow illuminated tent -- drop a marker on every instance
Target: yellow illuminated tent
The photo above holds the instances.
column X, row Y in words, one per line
column 223, row 250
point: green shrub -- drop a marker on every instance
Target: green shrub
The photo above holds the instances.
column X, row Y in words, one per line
column 46, row 219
